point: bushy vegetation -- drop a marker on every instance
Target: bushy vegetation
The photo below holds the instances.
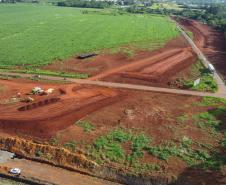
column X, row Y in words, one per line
column 212, row 101
column 111, row 148
column 128, row 147
column 206, row 119
column 184, row 151
column 207, row 82
column 38, row 35
column 85, row 125
column 209, row 13
column 214, row 15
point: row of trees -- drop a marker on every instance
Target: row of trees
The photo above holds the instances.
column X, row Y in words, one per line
column 214, row 15
column 85, row 4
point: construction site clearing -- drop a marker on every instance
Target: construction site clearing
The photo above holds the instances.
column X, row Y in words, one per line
column 41, row 113
column 39, row 119
column 29, row 127
column 155, row 68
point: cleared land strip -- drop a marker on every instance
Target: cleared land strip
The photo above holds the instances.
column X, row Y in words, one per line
column 202, row 57
column 127, row 86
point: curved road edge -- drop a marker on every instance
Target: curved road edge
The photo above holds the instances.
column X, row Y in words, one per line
column 202, row 57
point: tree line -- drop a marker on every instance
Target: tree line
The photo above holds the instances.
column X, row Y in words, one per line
column 213, row 15
column 85, row 4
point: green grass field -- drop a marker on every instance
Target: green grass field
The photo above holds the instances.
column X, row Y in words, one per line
column 40, row 34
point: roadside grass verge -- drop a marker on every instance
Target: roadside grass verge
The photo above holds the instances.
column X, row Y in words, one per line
column 7, row 77
column 198, row 71
column 211, row 101
column 190, row 34
column 207, row 83
column 47, row 73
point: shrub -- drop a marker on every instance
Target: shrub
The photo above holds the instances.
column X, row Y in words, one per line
column 86, row 125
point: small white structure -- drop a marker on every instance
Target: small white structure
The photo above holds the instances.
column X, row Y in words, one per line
column 197, row 82
column 49, row 91
column 15, row 171
column 211, row 68
column 37, row 90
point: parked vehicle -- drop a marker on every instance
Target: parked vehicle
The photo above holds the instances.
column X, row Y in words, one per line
column 15, row 171
column 211, row 68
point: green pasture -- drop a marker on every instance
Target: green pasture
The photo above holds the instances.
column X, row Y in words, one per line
column 35, row 35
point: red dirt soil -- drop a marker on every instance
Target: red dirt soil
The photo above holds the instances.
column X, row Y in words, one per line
column 145, row 67
column 210, row 41
column 158, row 69
column 152, row 113
column 48, row 114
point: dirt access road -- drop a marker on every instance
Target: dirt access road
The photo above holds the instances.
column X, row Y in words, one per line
column 220, row 82
column 159, row 66
column 47, row 174
column 209, row 45
column 125, row 86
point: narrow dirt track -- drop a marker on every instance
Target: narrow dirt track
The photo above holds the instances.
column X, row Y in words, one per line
column 198, row 50
column 203, row 46
column 127, row 86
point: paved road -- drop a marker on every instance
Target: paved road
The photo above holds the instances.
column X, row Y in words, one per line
column 220, row 82
column 53, row 175
column 127, row 86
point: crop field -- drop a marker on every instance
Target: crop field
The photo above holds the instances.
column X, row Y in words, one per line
column 38, row 34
